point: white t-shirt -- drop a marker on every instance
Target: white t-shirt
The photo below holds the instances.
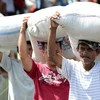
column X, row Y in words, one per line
column 83, row 85
column 20, row 84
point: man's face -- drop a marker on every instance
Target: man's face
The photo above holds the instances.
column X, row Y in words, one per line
column 87, row 54
column 30, row 50
column 57, row 49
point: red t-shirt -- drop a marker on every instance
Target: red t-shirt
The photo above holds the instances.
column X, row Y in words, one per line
column 49, row 84
column 19, row 3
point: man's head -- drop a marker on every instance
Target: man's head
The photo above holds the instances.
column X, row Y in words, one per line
column 88, row 50
column 43, row 48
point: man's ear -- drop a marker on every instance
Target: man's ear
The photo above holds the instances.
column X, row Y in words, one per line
column 98, row 52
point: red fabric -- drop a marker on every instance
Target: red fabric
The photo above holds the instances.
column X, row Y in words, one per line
column 32, row 9
column 49, row 84
column 19, row 3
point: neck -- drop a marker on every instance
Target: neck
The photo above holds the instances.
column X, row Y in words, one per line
column 52, row 67
column 88, row 67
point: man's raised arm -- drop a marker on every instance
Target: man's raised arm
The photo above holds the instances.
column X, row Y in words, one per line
column 56, row 58
column 22, row 46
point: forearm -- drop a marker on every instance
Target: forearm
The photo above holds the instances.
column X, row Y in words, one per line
column 52, row 44
column 52, row 54
column 22, row 46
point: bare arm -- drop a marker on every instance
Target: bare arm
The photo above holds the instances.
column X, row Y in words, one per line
column 56, row 58
column 1, row 56
column 22, row 46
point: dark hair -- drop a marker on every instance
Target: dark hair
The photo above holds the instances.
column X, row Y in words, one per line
column 42, row 44
column 28, row 42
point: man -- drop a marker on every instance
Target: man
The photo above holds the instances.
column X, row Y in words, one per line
column 49, row 84
column 3, row 8
column 20, row 84
column 20, row 6
column 83, row 76
column 9, row 7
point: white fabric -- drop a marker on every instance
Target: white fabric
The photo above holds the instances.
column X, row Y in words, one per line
column 20, row 85
column 66, row 49
column 37, row 54
column 3, row 88
column 1, row 15
column 9, row 33
column 38, row 29
column 9, row 30
column 39, row 23
column 81, row 21
column 83, row 85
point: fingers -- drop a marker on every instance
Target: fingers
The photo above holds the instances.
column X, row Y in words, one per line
column 56, row 16
column 26, row 18
column 24, row 24
column 53, row 24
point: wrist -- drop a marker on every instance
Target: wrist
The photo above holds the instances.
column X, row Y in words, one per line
column 53, row 28
column 22, row 30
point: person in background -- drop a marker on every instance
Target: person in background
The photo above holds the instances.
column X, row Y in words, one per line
column 3, row 84
column 3, row 8
column 20, row 6
column 50, row 3
column 83, row 75
column 48, row 83
column 63, row 2
column 9, row 7
column 20, row 84
column 40, row 4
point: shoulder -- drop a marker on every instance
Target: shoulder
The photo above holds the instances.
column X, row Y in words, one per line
column 97, row 64
column 70, row 63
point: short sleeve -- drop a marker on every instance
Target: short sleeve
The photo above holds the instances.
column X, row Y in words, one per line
column 66, row 69
column 33, row 71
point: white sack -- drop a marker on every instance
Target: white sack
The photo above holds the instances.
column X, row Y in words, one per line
column 9, row 30
column 39, row 23
column 1, row 15
column 81, row 21
column 9, row 34
column 37, row 54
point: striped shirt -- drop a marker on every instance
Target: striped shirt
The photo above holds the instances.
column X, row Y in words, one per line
column 84, row 85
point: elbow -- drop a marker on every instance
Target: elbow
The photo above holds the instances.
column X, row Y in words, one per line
column 21, row 56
